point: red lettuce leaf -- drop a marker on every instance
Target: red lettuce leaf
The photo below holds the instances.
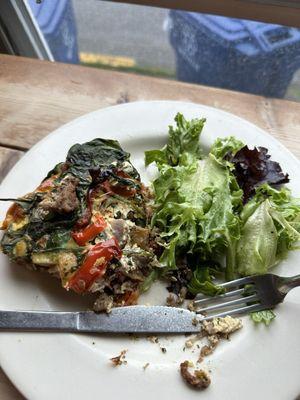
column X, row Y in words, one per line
column 254, row 168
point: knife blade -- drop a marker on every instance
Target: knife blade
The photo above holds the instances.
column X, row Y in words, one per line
column 131, row 319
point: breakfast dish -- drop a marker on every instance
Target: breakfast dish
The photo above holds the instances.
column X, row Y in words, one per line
column 87, row 223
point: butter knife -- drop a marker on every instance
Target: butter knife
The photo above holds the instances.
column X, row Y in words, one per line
column 133, row 319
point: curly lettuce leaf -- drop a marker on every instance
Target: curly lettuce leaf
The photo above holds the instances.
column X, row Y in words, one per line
column 266, row 316
column 183, row 144
column 201, row 282
column 224, row 148
column 256, row 249
column 194, row 210
column 270, row 228
column 196, row 198
column 285, row 211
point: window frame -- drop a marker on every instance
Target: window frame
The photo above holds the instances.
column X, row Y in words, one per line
column 20, row 33
column 282, row 12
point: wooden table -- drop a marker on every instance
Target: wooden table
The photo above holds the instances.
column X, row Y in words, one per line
column 36, row 97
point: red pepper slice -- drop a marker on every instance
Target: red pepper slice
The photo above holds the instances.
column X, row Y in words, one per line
column 90, row 231
column 118, row 189
column 94, row 265
column 123, row 174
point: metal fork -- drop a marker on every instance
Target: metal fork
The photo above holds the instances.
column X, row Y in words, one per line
column 244, row 295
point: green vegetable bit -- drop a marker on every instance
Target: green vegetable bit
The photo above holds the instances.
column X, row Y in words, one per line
column 265, row 316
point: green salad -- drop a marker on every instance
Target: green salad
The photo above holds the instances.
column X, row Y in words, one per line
column 222, row 212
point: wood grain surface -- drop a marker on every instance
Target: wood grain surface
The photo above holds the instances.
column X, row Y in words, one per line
column 37, row 97
column 7, row 389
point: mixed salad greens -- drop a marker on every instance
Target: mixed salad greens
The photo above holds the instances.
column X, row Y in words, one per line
column 228, row 204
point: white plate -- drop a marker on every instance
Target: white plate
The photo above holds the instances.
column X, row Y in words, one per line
column 258, row 363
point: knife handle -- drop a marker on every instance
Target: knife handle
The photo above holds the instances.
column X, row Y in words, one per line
column 39, row 321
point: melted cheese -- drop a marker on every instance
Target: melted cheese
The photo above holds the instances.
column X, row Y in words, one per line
column 15, row 226
column 20, row 249
column 45, row 259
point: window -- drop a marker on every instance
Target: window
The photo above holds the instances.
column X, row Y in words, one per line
column 237, row 54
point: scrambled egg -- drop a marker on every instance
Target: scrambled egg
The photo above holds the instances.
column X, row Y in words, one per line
column 225, row 325
column 45, row 259
column 18, row 225
column 20, row 249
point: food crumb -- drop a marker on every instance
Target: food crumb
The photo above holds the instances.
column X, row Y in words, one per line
column 133, row 337
column 191, row 306
column 199, row 379
column 163, row 349
column 120, row 359
column 146, row 366
column 208, row 349
column 189, row 343
column 215, row 330
column 152, row 339
column 174, row 300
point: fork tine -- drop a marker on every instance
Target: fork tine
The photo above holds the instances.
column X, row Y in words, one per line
column 219, row 297
column 237, row 282
column 241, row 310
column 240, row 300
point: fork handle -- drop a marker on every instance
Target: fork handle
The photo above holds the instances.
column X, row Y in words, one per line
column 289, row 283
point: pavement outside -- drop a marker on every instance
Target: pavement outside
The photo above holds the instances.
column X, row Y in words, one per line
column 130, row 31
